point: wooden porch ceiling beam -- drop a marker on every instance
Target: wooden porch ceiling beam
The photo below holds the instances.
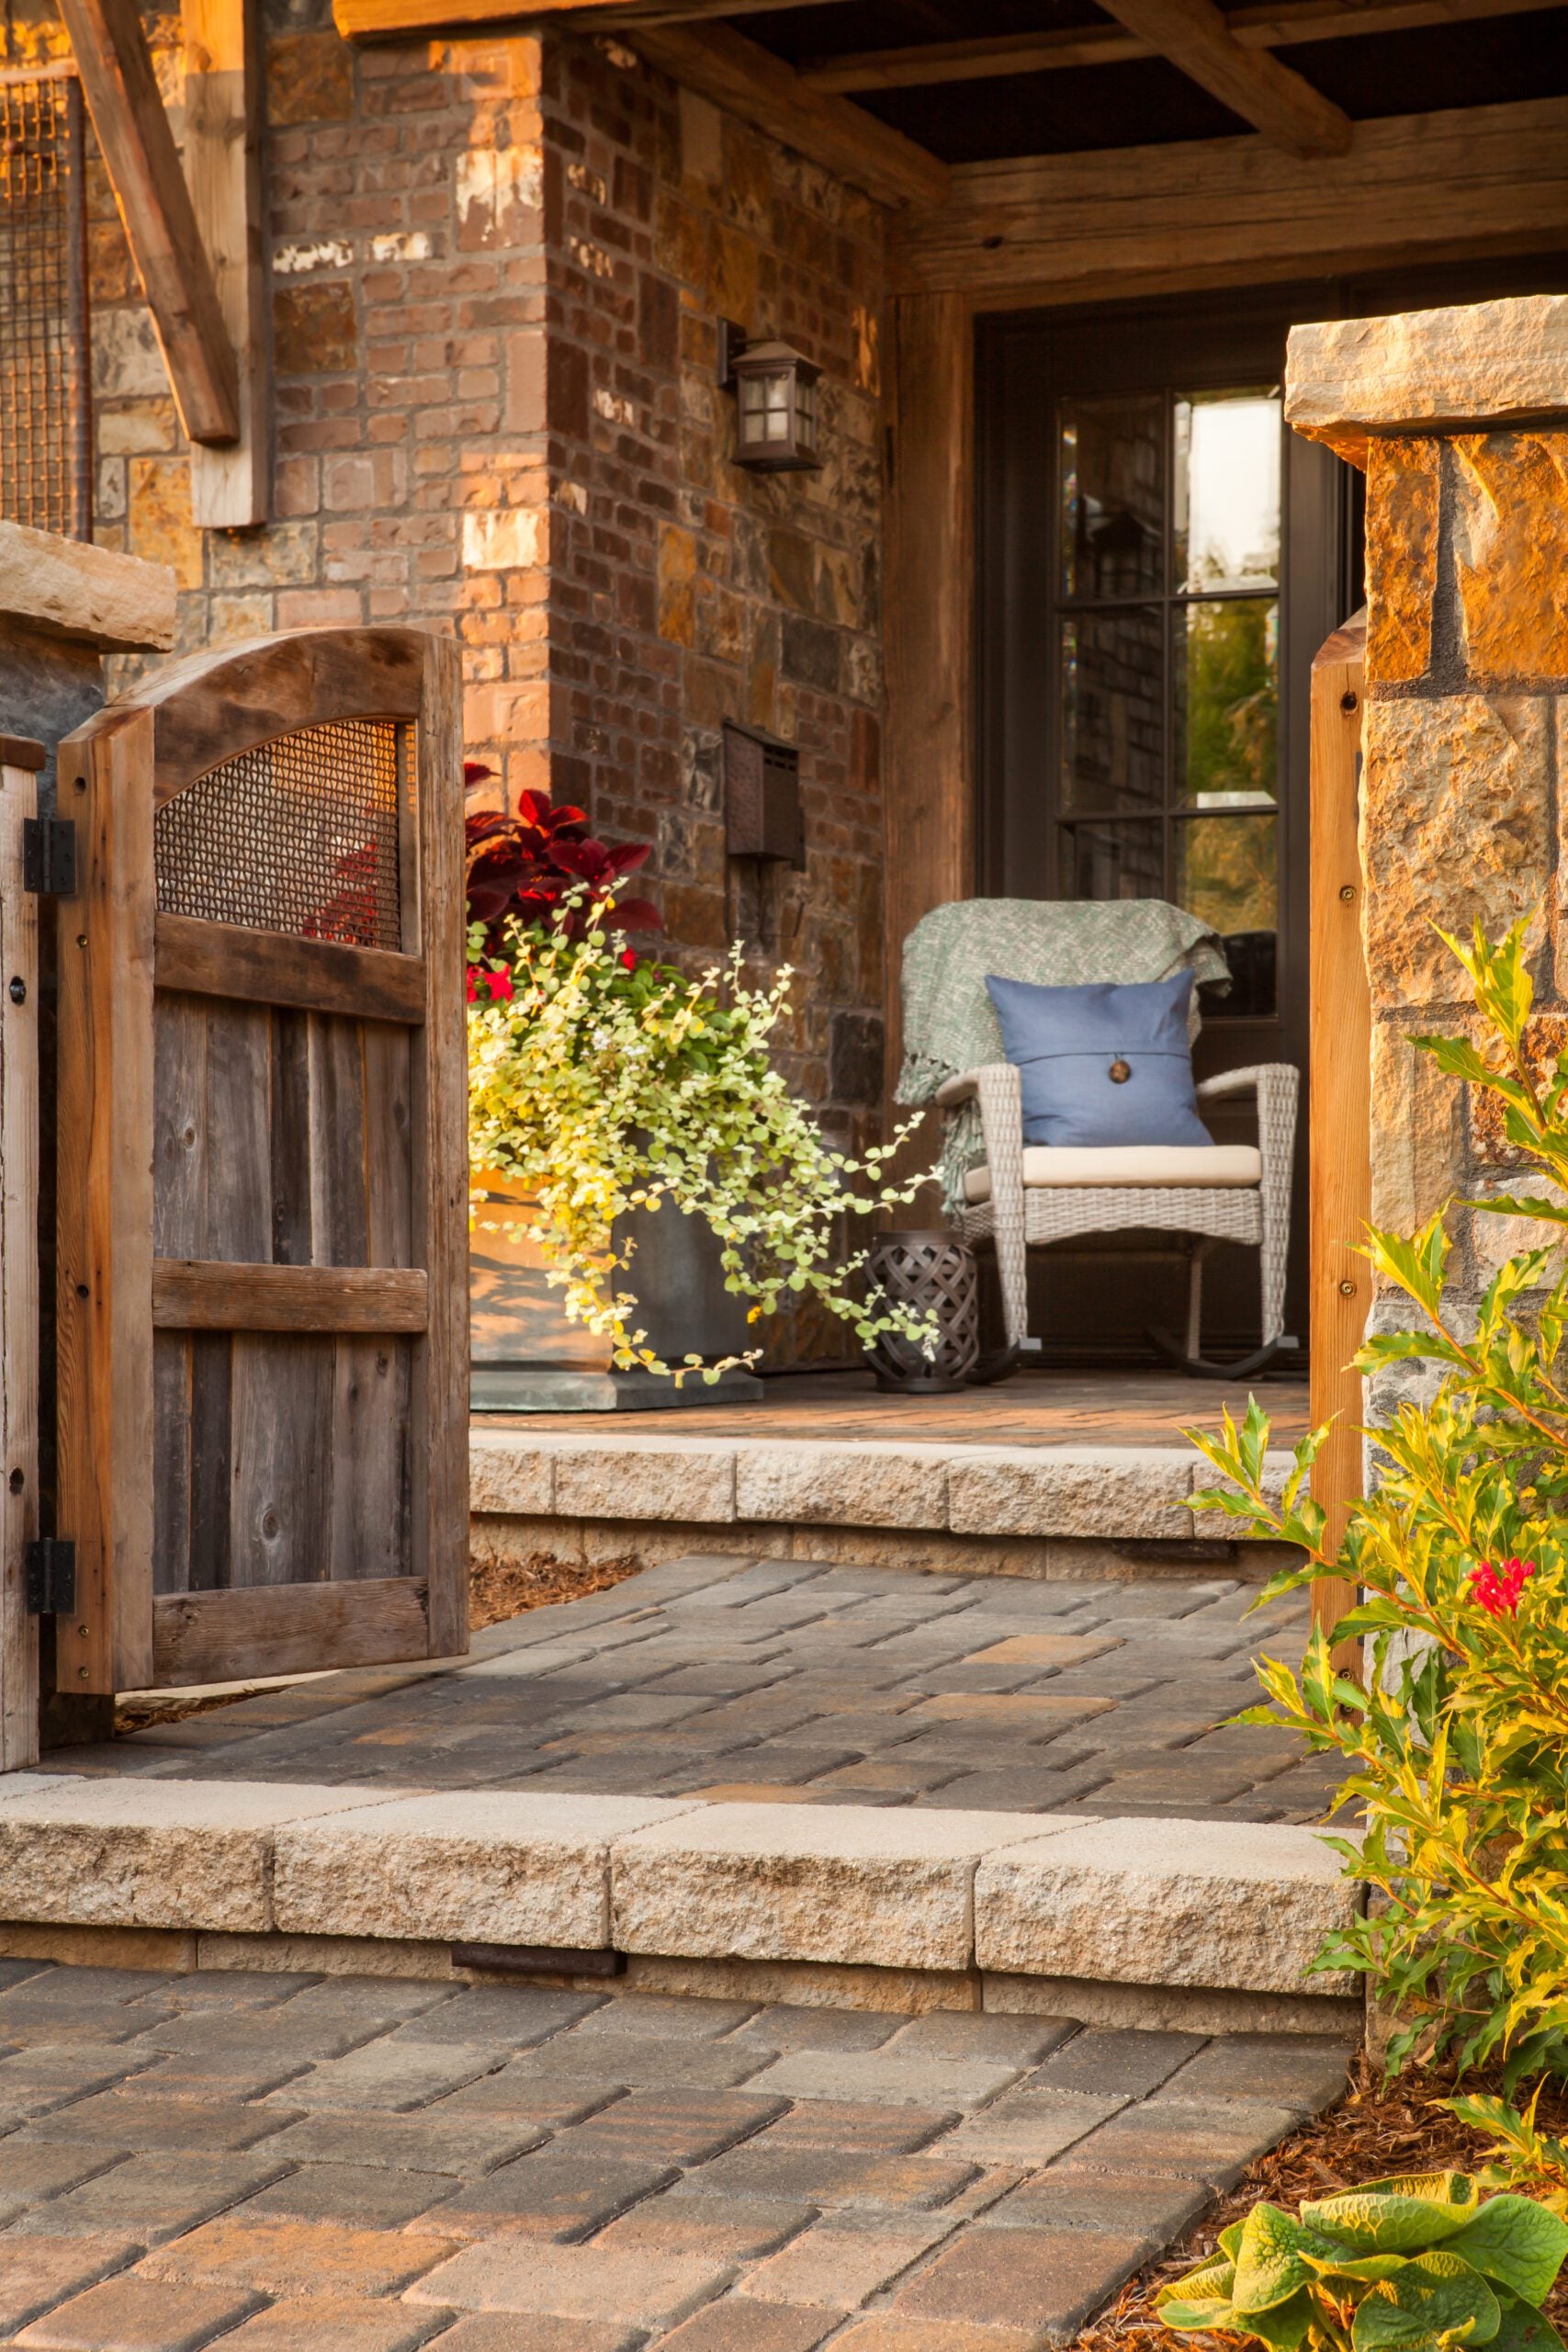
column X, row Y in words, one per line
column 1277, row 24
column 1274, row 100
column 722, row 64
column 116, row 66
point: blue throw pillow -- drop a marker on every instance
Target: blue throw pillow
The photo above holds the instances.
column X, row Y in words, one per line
column 1104, row 1063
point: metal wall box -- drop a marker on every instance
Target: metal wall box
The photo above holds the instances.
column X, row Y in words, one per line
column 763, row 813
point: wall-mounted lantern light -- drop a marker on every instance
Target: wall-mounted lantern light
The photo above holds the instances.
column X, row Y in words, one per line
column 775, row 389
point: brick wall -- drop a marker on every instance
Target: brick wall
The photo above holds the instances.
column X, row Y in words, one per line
column 496, row 270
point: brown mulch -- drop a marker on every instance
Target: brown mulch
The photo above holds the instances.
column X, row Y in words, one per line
column 1377, row 2128
column 497, row 1589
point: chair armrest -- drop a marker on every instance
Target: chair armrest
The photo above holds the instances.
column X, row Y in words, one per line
column 996, row 1090
column 1240, row 1082
column 961, row 1089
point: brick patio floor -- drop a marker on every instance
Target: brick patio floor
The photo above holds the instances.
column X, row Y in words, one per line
column 294, row 2163
column 807, row 1683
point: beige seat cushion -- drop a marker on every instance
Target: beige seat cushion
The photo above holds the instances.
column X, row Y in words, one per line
column 1232, row 1165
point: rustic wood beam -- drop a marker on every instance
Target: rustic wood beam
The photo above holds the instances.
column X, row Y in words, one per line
column 1274, row 99
column 391, row 19
column 116, row 66
column 1138, row 220
column 223, row 164
column 1277, row 24
column 761, row 89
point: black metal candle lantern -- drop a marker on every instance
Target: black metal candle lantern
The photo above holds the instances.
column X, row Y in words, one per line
column 936, row 1276
column 775, row 389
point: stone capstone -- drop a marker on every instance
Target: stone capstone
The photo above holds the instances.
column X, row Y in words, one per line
column 1161, row 1902
column 1426, row 370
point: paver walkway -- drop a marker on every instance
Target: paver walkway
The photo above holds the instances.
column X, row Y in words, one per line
column 293, row 2164
column 789, row 1679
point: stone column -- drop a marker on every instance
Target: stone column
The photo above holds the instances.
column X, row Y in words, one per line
column 63, row 605
column 1460, row 420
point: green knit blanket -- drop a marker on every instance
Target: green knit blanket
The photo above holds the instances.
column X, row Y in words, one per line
column 950, row 1023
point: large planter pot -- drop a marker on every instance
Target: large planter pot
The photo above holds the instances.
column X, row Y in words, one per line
column 526, row 1356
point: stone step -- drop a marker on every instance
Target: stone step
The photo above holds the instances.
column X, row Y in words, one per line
column 1009, row 1509
column 1000, row 1910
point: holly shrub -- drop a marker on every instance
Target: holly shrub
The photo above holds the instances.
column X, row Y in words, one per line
column 1456, row 1743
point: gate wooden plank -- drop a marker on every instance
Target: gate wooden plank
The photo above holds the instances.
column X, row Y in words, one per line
column 1341, row 1099
column 105, row 1208
column 239, row 1132
column 171, row 1461
column 291, row 1206
column 18, row 1264
column 276, row 967
column 287, row 1629
column 338, row 1219
column 370, row 1532
column 220, row 1294
column 179, row 1127
column 212, row 1454
column 280, row 1495
column 388, row 1117
column 440, row 1464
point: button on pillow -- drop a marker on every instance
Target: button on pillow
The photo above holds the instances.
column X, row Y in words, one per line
column 1103, row 1064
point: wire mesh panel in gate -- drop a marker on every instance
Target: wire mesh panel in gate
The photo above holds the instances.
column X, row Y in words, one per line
column 297, row 835
column 45, row 419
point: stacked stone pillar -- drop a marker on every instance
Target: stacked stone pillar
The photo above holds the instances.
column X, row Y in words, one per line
column 1460, row 420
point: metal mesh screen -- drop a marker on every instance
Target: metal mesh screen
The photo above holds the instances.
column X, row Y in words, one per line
column 45, row 419
column 299, row 835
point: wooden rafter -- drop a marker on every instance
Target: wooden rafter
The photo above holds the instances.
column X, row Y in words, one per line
column 1276, row 24
column 116, row 66
column 222, row 167
column 760, row 89
column 1276, row 100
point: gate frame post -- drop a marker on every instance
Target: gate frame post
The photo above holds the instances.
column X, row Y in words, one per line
column 19, row 763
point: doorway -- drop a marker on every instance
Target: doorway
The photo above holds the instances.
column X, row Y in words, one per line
column 1159, row 558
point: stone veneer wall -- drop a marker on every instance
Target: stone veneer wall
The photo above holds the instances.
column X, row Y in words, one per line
column 496, row 268
column 1465, row 742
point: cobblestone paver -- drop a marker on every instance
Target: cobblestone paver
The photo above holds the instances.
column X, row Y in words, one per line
column 857, row 2179
column 805, row 1683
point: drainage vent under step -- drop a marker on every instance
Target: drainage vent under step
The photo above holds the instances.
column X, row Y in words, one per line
column 537, row 1960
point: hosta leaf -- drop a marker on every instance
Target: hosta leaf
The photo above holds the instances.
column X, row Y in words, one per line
column 1268, row 2267
column 1441, row 2187
column 1374, row 2220
column 1212, row 2280
column 1213, row 2317
column 1436, row 2301
column 1282, row 2327
column 1524, row 2330
column 1517, row 2241
column 1230, row 2240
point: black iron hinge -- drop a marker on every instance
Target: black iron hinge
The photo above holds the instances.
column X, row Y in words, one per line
column 51, row 1565
column 49, row 857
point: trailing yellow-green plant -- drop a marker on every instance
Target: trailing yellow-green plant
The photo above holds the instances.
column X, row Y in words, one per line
column 1456, row 1742
column 1406, row 2264
column 601, row 1082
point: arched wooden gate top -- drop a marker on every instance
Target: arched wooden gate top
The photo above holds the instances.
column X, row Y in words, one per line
column 261, row 1297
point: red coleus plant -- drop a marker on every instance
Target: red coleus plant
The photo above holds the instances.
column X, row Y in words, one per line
column 529, row 865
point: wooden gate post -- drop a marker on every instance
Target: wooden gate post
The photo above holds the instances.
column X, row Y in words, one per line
column 19, row 763
column 1340, row 1099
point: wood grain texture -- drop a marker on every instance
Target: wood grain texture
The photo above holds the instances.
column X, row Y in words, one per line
column 280, row 1465
column 388, row 1121
column 104, row 1218
column 1272, row 97
column 287, row 1629
column 274, row 968
column 172, row 1429
column 439, row 1470
column 1340, row 1096
column 229, row 485
column 1274, row 24
column 372, row 1528
column 928, row 783
column 1230, row 212
column 751, row 82
column 337, row 1144
column 214, row 704
column 18, row 1270
column 220, row 1294
column 155, row 210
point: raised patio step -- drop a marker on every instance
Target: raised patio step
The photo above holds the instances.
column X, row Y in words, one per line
column 1037, row 1510
column 998, row 1910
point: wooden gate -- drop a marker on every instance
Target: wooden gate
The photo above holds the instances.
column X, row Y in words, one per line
column 263, row 1357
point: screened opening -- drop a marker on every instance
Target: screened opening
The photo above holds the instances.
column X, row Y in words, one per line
column 45, row 411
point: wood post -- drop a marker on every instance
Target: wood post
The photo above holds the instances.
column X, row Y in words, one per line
column 929, row 766
column 1340, row 1099
column 228, row 483
column 18, row 1259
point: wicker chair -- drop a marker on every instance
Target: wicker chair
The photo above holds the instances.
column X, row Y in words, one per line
column 1026, row 1195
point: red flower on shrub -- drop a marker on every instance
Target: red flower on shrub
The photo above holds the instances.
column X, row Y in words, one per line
column 1498, row 1590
